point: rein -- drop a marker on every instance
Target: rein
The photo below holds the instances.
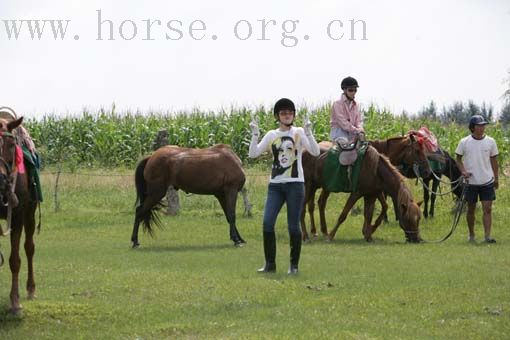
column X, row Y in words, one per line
column 458, row 182
column 458, row 210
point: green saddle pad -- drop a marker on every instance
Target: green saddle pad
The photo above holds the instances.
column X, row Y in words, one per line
column 32, row 165
column 335, row 175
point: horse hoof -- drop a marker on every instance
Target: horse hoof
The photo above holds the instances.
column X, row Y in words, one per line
column 16, row 311
column 135, row 245
column 239, row 244
column 31, row 296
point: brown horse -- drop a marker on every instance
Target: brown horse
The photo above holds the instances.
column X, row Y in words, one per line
column 18, row 205
column 379, row 176
column 213, row 171
column 405, row 150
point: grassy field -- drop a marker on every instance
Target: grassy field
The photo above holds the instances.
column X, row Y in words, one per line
column 190, row 282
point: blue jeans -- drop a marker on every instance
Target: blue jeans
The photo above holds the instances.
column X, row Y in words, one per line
column 292, row 193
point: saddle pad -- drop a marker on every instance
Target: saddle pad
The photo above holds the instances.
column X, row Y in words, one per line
column 32, row 165
column 334, row 174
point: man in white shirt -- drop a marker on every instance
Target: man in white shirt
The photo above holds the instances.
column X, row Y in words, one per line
column 477, row 161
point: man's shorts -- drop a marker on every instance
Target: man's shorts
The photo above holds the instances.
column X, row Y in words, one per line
column 483, row 192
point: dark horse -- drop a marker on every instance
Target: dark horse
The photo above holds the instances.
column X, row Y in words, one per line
column 405, row 150
column 18, row 205
column 448, row 168
column 379, row 176
column 213, row 171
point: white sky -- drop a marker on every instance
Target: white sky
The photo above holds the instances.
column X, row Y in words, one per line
column 415, row 52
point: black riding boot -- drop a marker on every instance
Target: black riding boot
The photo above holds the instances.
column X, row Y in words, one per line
column 269, row 253
column 295, row 252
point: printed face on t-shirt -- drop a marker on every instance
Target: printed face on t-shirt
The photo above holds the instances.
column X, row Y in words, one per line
column 286, row 153
column 284, row 157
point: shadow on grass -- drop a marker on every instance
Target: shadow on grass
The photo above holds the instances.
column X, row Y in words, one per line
column 357, row 242
column 184, row 248
column 8, row 321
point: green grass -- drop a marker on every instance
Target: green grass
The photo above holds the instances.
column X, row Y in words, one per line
column 190, row 282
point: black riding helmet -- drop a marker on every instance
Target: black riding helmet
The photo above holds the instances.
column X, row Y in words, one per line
column 283, row 104
column 476, row 120
column 349, row 82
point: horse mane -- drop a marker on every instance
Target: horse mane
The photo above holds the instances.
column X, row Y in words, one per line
column 404, row 196
column 392, row 168
column 382, row 144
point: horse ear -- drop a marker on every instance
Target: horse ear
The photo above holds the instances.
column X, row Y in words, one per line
column 412, row 137
column 419, row 203
column 14, row 124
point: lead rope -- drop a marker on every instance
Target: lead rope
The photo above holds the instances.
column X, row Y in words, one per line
column 458, row 211
column 458, row 182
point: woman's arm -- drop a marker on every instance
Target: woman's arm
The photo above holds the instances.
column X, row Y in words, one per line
column 256, row 149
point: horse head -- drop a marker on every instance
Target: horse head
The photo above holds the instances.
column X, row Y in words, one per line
column 414, row 153
column 409, row 215
column 7, row 155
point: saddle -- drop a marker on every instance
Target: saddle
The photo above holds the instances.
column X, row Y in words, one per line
column 348, row 149
column 341, row 173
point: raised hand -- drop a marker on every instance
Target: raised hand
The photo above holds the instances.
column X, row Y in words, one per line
column 307, row 127
column 254, row 126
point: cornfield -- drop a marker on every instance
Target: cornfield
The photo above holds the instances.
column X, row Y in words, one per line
column 111, row 139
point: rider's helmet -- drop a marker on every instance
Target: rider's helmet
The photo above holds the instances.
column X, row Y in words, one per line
column 349, row 82
column 476, row 120
column 283, row 104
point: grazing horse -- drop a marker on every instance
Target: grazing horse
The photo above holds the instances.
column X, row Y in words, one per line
column 18, row 207
column 379, row 176
column 450, row 170
column 212, row 171
column 404, row 150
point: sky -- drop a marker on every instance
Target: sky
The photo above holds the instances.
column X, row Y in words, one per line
column 223, row 53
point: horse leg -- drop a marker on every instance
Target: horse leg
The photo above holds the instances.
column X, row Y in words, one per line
column 426, row 196
column 384, row 210
column 311, row 210
column 306, row 202
column 353, row 198
column 144, row 212
column 368, row 229
column 228, row 201
column 395, row 208
column 435, row 186
column 29, row 251
column 323, row 200
column 384, row 199
column 14, row 264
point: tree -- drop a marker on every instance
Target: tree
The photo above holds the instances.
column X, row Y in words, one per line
column 506, row 94
column 428, row 112
column 504, row 116
column 487, row 111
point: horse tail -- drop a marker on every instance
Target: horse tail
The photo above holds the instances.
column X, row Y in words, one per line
column 149, row 217
column 141, row 185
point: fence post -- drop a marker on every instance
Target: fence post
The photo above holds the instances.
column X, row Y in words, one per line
column 172, row 197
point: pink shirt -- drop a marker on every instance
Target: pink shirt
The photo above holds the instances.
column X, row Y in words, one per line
column 345, row 115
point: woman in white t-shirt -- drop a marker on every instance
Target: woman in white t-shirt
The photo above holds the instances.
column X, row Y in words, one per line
column 286, row 184
column 478, row 163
